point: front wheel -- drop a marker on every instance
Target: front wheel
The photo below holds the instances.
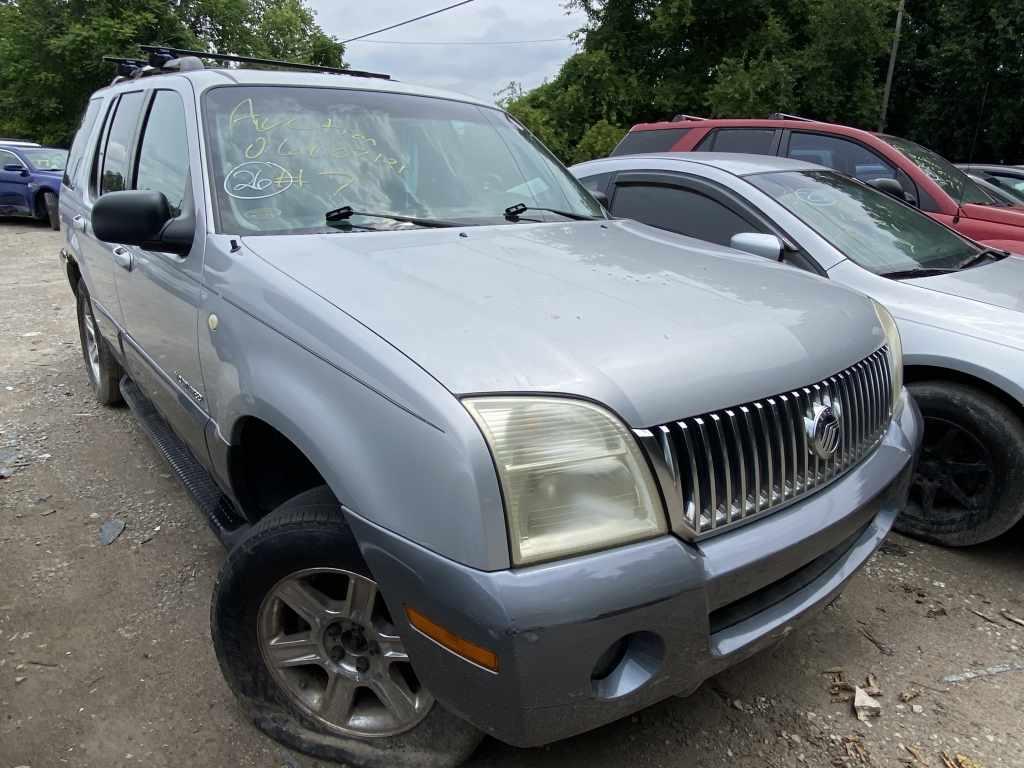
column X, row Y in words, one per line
column 969, row 482
column 306, row 642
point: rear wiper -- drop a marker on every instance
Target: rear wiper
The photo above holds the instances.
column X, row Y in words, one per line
column 901, row 274
column 980, row 256
column 513, row 212
column 340, row 217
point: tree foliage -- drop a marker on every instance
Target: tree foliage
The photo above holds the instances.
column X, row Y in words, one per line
column 51, row 50
column 647, row 60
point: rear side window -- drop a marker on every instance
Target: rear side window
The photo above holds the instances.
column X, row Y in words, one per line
column 636, row 142
column 163, row 157
column 117, row 156
column 684, row 211
column 755, row 141
column 78, row 145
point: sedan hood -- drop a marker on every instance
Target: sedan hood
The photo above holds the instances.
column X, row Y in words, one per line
column 654, row 325
column 999, row 283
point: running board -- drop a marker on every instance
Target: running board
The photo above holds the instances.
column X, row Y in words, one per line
column 225, row 521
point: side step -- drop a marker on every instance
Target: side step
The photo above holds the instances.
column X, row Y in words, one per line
column 225, row 520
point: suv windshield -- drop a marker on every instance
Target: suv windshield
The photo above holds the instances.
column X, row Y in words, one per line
column 871, row 228
column 281, row 157
column 953, row 181
column 46, row 159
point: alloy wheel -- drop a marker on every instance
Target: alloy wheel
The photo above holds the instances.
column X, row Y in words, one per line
column 329, row 643
column 954, row 471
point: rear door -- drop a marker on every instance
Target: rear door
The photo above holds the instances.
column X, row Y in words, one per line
column 13, row 185
column 160, row 292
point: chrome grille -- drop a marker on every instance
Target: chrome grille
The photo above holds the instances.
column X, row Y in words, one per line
column 730, row 466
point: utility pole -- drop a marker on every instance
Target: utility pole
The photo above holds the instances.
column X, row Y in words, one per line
column 892, row 66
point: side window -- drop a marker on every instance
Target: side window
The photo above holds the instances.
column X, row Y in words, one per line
column 841, row 154
column 163, row 157
column 78, row 145
column 9, row 158
column 684, row 211
column 596, row 183
column 757, row 141
column 117, row 155
column 661, row 140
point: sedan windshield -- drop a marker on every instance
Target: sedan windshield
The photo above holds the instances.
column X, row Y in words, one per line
column 953, row 181
column 871, row 228
column 282, row 157
column 46, row 159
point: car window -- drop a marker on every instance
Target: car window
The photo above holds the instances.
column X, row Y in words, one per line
column 281, row 157
column 1014, row 183
column 116, row 157
column 869, row 227
column 951, row 179
column 757, row 141
column 661, row 140
column 163, row 156
column 47, row 158
column 684, row 211
column 78, row 145
column 9, row 158
column 841, row 154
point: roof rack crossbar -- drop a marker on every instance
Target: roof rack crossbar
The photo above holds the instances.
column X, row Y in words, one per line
column 682, row 118
column 786, row 116
column 160, row 54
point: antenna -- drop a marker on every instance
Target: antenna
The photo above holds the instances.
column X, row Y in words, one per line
column 970, row 156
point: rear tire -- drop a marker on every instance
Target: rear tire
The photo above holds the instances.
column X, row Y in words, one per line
column 103, row 370
column 51, row 209
column 968, row 486
column 329, row 700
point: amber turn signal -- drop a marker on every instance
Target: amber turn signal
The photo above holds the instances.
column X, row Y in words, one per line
column 457, row 645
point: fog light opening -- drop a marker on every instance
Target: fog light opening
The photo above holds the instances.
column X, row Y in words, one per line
column 627, row 664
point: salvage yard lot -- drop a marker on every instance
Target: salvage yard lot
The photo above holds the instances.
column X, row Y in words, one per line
column 106, row 660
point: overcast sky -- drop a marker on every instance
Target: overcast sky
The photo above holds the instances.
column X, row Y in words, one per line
column 477, row 70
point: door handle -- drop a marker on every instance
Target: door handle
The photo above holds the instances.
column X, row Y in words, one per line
column 79, row 223
column 123, row 258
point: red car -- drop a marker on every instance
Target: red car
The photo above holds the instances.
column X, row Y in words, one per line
column 927, row 179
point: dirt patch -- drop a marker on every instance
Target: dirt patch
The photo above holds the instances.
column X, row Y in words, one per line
column 105, row 655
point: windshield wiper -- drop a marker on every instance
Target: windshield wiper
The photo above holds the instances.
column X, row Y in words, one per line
column 980, row 256
column 901, row 274
column 343, row 214
column 513, row 212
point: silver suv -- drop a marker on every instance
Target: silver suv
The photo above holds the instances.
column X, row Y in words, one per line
column 485, row 460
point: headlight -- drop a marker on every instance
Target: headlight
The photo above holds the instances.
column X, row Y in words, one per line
column 573, row 476
column 895, row 347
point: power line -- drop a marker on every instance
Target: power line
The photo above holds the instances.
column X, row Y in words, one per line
column 408, row 21
column 466, row 42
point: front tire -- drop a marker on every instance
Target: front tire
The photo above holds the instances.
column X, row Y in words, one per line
column 306, row 643
column 103, row 370
column 969, row 482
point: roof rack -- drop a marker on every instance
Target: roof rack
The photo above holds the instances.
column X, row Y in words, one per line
column 683, row 118
column 163, row 60
column 785, row 116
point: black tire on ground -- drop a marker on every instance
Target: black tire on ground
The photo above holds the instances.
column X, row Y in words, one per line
column 105, row 382
column 969, row 482
column 309, row 531
column 51, row 210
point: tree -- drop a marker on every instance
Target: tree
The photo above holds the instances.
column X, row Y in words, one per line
column 51, row 50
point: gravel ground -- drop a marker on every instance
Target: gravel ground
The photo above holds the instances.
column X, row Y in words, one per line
column 105, row 654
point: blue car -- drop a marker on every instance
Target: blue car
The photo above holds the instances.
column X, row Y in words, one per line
column 30, row 181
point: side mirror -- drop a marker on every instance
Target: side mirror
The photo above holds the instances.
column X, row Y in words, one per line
column 759, row 244
column 145, row 219
column 890, row 187
column 15, row 168
column 601, row 197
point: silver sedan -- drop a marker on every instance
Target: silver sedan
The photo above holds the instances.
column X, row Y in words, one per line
column 959, row 306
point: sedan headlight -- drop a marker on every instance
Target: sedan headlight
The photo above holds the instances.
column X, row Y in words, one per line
column 572, row 474
column 895, row 348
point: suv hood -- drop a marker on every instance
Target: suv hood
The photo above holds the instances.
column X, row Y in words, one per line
column 995, row 214
column 654, row 325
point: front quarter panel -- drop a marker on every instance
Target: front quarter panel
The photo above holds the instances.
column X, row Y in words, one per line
column 394, row 445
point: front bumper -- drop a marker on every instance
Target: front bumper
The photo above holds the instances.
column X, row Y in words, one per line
column 682, row 612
